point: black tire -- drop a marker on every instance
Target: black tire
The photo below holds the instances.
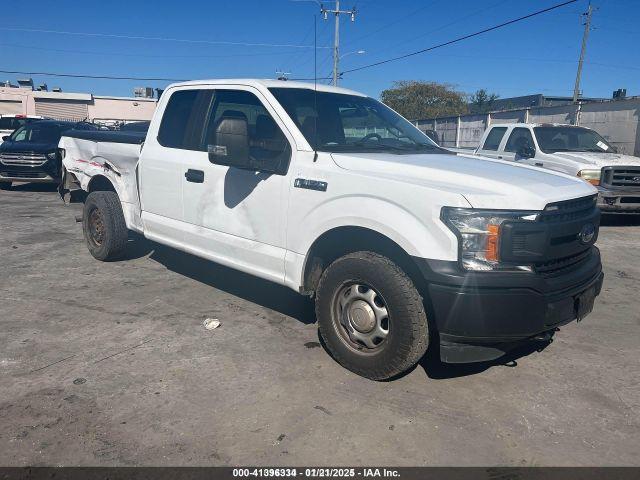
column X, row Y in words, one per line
column 408, row 333
column 105, row 230
column 5, row 185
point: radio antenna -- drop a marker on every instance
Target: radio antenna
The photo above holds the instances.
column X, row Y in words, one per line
column 315, row 87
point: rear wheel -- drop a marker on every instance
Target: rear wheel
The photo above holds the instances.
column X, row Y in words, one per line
column 104, row 227
column 371, row 316
column 5, row 185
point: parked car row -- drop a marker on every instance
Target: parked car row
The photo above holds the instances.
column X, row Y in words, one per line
column 403, row 245
column 576, row 151
column 573, row 150
column 31, row 153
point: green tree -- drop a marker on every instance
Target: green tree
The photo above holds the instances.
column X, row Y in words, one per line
column 482, row 101
column 416, row 100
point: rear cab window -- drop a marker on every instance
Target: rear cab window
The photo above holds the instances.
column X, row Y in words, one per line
column 494, row 138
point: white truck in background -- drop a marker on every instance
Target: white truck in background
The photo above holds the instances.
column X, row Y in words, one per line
column 402, row 244
column 576, row 151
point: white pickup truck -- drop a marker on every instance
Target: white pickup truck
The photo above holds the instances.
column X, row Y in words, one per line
column 402, row 244
column 573, row 150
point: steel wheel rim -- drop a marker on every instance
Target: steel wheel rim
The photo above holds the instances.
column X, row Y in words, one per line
column 361, row 317
column 96, row 227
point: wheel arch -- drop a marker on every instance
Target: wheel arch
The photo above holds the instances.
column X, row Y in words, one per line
column 342, row 240
column 100, row 183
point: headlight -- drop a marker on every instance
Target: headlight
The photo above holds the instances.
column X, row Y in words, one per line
column 51, row 155
column 479, row 232
column 591, row 176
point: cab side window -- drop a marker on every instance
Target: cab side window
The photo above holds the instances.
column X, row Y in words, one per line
column 494, row 138
column 176, row 127
column 268, row 148
column 519, row 138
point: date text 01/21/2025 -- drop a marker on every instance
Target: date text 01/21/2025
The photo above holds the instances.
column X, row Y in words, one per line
column 315, row 472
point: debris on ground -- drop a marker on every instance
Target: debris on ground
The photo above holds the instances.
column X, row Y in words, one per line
column 211, row 323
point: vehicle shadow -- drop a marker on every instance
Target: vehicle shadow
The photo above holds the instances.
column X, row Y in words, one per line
column 262, row 292
column 34, row 187
column 437, row 370
column 620, row 220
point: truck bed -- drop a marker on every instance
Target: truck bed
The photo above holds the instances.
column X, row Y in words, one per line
column 112, row 155
column 136, row 138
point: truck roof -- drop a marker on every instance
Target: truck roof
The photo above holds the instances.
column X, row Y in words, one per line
column 521, row 124
column 269, row 83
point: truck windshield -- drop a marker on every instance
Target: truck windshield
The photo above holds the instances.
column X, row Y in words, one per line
column 37, row 133
column 570, row 139
column 336, row 122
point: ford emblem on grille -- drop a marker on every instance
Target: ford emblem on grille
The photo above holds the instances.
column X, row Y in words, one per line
column 587, row 233
column 636, row 179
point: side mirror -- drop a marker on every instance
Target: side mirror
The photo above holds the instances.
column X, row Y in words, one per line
column 526, row 152
column 5, row 138
column 232, row 143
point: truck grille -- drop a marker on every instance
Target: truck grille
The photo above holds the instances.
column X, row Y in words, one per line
column 569, row 210
column 560, row 265
column 22, row 159
column 621, row 177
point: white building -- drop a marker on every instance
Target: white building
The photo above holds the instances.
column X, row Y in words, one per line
column 73, row 106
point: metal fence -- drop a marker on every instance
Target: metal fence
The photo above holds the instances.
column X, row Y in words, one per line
column 617, row 121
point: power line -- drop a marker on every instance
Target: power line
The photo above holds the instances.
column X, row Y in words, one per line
column 96, row 77
column 459, row 39
column 159, row 39
column 394, row 22
column 121, row 54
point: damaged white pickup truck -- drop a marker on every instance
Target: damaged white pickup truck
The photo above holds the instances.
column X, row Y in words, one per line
column 403, row 245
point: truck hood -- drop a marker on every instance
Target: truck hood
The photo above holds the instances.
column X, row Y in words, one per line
column 598, row 160
column 485, row 183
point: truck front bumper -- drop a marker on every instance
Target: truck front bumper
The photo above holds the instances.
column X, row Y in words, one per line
column 482, row 316
column 612, row 200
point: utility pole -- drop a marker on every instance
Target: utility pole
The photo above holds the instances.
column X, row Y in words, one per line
column 585, row 36
column 336, row 37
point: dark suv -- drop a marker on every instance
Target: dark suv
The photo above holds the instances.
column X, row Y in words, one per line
column 31, row 154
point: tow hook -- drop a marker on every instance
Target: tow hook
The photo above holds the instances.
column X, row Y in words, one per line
column 544, row 337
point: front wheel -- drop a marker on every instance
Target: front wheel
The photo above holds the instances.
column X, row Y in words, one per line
column 5, row 185
column 370, row 315
column 104, row 227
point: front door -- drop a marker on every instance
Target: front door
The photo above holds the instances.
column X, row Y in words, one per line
column 235, row 216
column 520, row 138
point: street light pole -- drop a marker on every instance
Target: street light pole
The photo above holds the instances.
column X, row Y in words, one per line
column 336, row 37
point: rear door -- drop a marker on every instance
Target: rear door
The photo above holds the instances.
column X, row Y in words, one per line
column 491, row 145
column 164, row 156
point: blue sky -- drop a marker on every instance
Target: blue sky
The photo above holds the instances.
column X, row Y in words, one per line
column 536, row 56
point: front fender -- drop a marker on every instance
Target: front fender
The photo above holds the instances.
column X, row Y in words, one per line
column 421, row 235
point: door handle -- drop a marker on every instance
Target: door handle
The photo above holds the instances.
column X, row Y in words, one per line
column 499, row 157
column 194, row 176
column 539, row 164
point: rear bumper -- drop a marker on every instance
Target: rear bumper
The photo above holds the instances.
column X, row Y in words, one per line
column 616, row 200
column 482, row 316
